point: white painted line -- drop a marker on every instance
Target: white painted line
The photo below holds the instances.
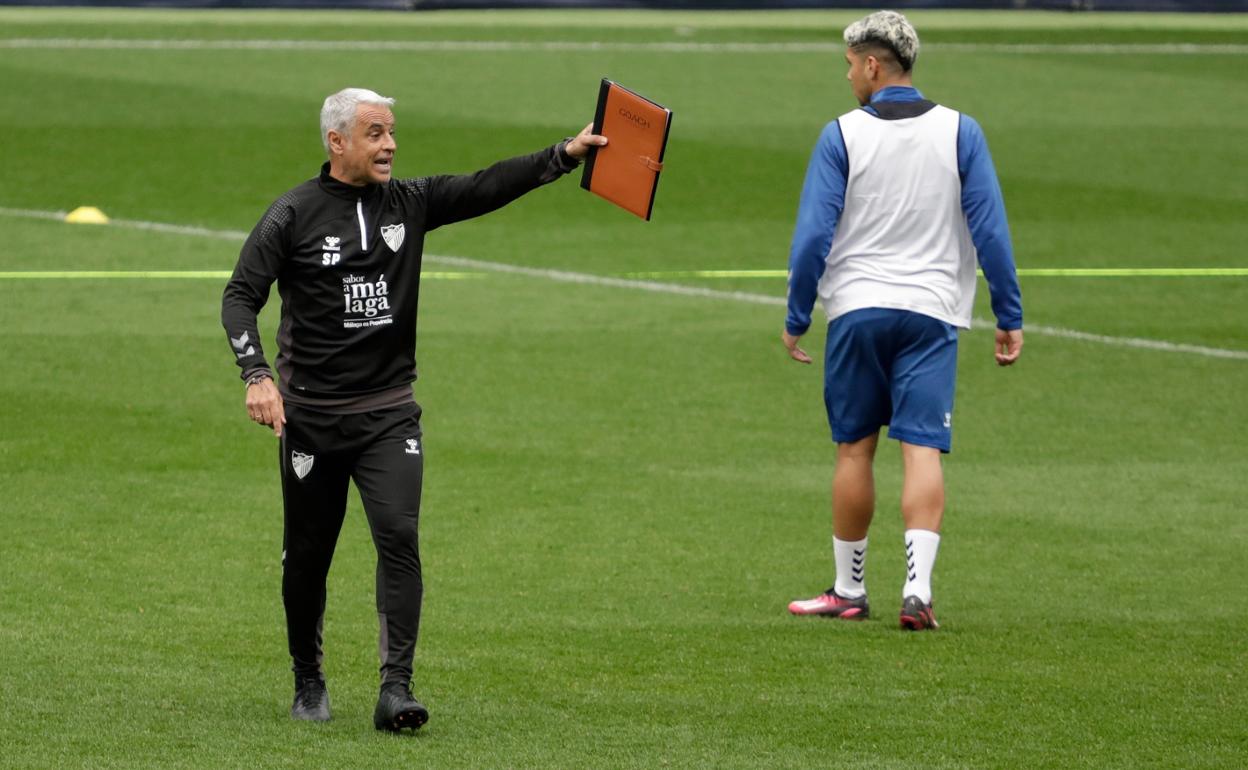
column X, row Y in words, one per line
column 574, row 46
column 33, row 214
column 132, row 224
column 1123, row 342
column 565, row 276
column 1127, row 49
column 160, row 227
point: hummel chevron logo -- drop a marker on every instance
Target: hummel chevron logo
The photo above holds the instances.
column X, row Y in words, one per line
column 241, row 347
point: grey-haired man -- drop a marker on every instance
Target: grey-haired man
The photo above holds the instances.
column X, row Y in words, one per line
column 345, row 250
column 900, row 199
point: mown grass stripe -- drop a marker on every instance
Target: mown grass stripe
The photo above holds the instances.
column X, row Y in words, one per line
column 527, row 46
column 692, row 20
column 565, row 276
column 1034, row 272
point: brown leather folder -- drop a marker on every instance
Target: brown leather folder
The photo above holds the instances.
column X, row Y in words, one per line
column 626, row 171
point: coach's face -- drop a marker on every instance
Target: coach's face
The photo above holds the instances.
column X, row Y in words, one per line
column 368, row 153
column 859, row 75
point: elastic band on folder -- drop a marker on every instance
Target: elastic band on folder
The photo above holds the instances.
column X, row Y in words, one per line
column 650, row 163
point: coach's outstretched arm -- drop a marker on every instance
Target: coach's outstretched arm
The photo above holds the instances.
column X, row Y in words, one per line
column 460, row 197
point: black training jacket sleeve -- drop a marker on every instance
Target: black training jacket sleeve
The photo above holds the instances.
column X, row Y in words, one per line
column 455, row 198
column 248, row 289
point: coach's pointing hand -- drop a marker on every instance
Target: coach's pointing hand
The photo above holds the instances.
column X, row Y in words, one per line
column 264, row 405
column 578, row 146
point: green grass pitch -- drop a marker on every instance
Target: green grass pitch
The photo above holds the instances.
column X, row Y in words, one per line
column 625, row 487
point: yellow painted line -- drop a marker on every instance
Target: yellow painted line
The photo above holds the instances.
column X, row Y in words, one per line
column 661, row 274
column 1026, row 272
column 213, row 274
column 57, row 274
column 710, row 274
column 1132, row 272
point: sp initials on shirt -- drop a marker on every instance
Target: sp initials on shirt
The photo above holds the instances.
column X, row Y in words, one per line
column 331, row 252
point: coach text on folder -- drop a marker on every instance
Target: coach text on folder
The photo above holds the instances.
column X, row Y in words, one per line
column 626, row 170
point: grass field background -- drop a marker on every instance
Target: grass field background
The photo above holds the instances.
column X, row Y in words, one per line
column 624, row 488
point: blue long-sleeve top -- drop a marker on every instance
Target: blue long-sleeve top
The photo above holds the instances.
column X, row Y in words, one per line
column 823, row 200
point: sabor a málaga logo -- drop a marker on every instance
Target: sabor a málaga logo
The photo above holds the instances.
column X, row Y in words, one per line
column 365, row 301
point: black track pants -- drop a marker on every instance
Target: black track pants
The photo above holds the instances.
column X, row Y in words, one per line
column 383, row 452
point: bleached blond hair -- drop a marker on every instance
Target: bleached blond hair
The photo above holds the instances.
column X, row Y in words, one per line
column 886, row 29
column 338, row 111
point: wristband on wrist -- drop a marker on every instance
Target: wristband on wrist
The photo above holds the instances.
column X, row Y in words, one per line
column 258, row 378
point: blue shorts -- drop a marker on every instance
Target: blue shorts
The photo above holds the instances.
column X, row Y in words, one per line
column 894, row 368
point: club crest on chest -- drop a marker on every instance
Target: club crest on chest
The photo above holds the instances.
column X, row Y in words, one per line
column 393, row 236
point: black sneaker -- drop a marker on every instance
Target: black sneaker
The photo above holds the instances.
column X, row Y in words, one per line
column 397, row 709
column 311, row 700
column 916, row 615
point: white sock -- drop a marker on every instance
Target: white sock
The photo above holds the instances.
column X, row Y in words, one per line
column 851, row 565
column 921, row 545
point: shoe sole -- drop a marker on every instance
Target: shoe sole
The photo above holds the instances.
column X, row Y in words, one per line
column 851, row 614
column 413, row 718
column 918, row 623
column 311, row 716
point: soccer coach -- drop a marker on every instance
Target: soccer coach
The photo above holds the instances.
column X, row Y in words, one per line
column 345, row 250
column 900, row 198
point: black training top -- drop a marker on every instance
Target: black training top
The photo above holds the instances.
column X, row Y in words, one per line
column 347, row 264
